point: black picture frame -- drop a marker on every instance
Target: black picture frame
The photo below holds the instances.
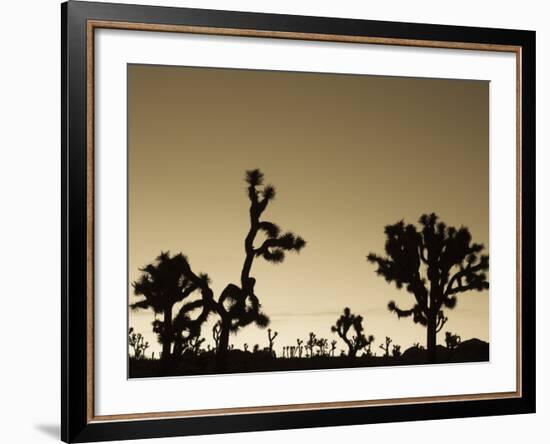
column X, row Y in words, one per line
column 76, row 423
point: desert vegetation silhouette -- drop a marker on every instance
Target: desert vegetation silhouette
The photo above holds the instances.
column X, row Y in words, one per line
column 434, row 263
column 357, row 340
column 171, row 279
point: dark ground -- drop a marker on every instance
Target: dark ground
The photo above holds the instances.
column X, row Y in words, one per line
column 238, row 361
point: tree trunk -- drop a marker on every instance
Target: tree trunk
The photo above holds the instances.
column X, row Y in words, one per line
column 431, row 339
column 178, row 348
column 351, row 355
column 167, row 335
column 221, row 357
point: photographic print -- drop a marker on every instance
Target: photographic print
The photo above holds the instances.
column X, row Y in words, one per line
column 285, row 221
column 275, row 221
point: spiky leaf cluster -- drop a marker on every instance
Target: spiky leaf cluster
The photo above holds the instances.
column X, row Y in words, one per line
column 163, row 283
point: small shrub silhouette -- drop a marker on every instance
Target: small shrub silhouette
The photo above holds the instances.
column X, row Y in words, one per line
column 452, row 341
column 368, row 351
column 216, row 330
column 195, row 344
column 271, row 338
column 322, row 345
column 299, row 346
column 396, row 351
column 293, row 350
column 386, row 346
column 333, row 347
column 138, row 343
column 289, row 351
column 311, row 342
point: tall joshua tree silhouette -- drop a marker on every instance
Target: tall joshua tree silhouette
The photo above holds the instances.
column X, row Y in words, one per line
column 163, row 284
column 239, row 306
column 435, row 264
column 358, row 340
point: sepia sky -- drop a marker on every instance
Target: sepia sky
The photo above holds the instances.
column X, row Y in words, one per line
column 348, row 154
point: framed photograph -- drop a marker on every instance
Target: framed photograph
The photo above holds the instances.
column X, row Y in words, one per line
column 275, row 221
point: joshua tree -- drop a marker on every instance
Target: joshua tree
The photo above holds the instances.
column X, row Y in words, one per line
column 435, row 264
column 386, row 347
column 192, row 344
column 238, row 305
column 144, row 347
column 289, row 351
column 322, row 343
column 195, row 344
column 245, row 347
column 271, row 338
column 311, row 342
column 256, row 348
column 333, row 347
column 299, row 347
column 216, row 329
column 137, row 342
column 396, row 351
column 358, row 340
column 452, row 341
column 368, row 350
column 293, row 349
column 163, row 284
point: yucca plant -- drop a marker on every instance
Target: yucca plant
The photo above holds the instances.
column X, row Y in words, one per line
column 385, row 347
column 355, row 340
column 434, row 263
column 162, row 284
column 238, row 305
